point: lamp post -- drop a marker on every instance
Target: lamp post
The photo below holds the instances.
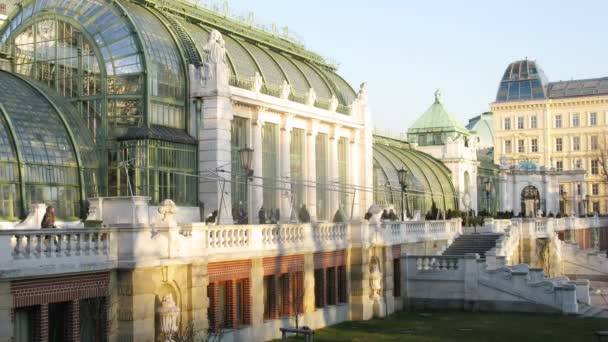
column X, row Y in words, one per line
column 403, row 182
column 564, row 202
column 488, row 188
column 246, row 158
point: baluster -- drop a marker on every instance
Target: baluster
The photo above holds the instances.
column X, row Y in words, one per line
column 97, row 243
column 418, row 264
column 68, row 244
column 104, row 241
column 78, row 243
column 27, row 250
column 17, row 248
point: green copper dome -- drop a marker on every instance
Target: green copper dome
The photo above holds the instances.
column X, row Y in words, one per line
column 437, row 119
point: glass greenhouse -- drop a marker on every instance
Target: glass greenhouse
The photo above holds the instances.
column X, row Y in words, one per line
column 112, row 77
column 429, row 182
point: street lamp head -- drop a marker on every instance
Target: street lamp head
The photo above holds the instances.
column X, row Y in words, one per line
column 402, row 173
column 246, row 158
column 488, row 185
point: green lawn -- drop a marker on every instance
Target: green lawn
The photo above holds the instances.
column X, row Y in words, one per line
column 461, row 326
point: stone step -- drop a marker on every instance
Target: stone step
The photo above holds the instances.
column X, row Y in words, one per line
column 472, row 243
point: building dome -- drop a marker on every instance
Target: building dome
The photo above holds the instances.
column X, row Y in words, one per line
column 46, row 152
column 523, row 80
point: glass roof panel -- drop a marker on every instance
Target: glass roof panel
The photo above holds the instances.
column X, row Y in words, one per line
column 321, row 88
column 6, row 145
column 346, row 94
column 164, row 64
column 41, row 136
column 296, row 78
column 272, row 72
column 244, row 65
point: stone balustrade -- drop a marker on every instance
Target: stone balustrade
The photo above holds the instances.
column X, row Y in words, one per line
column 470, row 283
column 54, row 251
column 43, row 251
column 544, row 227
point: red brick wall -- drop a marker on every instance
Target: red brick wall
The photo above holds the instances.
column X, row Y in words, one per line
column 37, row 294
column 330, row 259
column 229, row 274
column 396, row 251
column 283, row 264
column 228, row 270
column 61, row 289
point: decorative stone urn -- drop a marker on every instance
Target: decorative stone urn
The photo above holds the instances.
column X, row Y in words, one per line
column 168, row 314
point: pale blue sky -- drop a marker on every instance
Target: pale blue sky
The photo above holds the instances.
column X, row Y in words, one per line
column 407, row 49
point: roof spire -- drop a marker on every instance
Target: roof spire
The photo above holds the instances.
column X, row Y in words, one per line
column 438, row 96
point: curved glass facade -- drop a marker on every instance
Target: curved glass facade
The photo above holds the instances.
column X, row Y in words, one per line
column 122, row 68
column 46, row 155
column 429, row 181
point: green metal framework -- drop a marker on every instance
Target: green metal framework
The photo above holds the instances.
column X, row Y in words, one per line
column 123, row 65
column 429, row 180
column 46, row 154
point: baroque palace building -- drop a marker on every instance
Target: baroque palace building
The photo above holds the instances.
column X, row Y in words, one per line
column 556, row 126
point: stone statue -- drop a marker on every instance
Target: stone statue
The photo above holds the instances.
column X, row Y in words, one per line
column 362, row 95
column 215, row 58
column 168, row 314
column 375, row 214
column 375, row 279
column 167, row 211
column 438, row 96
column 539, row 213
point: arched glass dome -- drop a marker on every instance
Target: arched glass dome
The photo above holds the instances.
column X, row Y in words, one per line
column 523, row 80
column 429, row 180
column 46, row 153
column 124, row 66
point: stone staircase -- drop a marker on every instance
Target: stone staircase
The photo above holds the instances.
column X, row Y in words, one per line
column 592, row 311
column 472, row 243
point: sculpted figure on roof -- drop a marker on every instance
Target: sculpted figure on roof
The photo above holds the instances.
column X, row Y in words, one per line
column 215, row 58
column 362, row 96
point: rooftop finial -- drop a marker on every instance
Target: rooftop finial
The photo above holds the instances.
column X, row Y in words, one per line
column 438, row 95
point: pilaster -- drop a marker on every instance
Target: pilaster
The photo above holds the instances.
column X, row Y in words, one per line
column 334, row 196
column 6, row 305
column 284, row 193
column 311, row 170
column 256, row 186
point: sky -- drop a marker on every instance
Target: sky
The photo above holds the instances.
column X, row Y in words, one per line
column 406, row 50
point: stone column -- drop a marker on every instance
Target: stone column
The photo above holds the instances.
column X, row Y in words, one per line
column 388, row 280
column 353, row 169
column 361, row 306
column 334, row 196
column 6, row 306
column 309, row 283
column 311, row 170
column 199, row 300
column 214, row 129
column 257, row 289
column 471, row 282
column 136, row 305
column 285, row 176
column 256, row 187
column 214, row 155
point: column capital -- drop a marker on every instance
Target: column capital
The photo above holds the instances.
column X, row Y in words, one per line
column 257, row 115
column 313, row 128
column 287, row 121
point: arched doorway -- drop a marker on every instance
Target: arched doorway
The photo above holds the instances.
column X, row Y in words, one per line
column 530, row 201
